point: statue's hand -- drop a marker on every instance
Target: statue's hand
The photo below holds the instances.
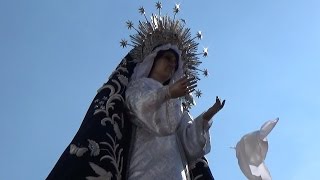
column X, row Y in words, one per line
column 182, row 87
column 218, row 105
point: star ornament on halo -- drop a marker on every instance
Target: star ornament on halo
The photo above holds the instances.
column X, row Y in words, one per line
column 123, row 43
column 198, row 93
column 158, row 5
column 205, row 52
column 129, row 24
column 205, row 72
column 176, row 8
column 199, row 35
column 141, row 10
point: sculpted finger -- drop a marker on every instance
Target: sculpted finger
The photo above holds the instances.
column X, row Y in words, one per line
column 192, row 78
column 191, row 88
column 192, row 82
column 223, row 103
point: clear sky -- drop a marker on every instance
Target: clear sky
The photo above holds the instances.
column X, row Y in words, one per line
column 264, row 59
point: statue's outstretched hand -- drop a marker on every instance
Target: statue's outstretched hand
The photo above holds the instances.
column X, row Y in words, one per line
column 218, row 105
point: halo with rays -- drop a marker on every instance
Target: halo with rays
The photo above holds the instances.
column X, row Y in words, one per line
column 162, row 29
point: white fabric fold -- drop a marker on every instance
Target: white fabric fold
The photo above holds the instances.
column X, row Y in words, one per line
column 251, row 152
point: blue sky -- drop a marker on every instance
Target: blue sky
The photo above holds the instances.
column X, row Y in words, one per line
column 263, row 59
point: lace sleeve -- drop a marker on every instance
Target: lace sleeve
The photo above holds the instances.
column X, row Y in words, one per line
column 194, row 137
column 148, row 105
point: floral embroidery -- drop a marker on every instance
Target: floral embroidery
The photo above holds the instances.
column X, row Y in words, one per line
column 103, row 174
column 109, row 150
column 94, row 148
column 74, row 150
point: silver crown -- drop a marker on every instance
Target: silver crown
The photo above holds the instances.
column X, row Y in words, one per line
column 161, row 30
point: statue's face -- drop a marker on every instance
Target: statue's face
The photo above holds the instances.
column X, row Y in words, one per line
column 164, row 67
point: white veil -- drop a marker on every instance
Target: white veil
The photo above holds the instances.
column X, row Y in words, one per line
column 143, row 68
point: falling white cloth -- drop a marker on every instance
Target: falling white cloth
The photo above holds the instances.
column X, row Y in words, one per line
column 251, row 152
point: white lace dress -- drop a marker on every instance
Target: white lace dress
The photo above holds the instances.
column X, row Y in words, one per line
column 165, row 140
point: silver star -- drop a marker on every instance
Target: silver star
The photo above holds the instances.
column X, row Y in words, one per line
column 198, row 93
column 205, row 52
column 199, row 35
column 123, row 43
column 176, row 8
column 129, row 24
column 205, row 72
column 159, row 5
column 141, row 10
